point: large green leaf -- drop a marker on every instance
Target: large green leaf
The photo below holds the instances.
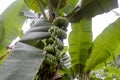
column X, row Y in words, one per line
column 23, row 63
column 91, row 8
column 105, row 46
column 80, row 40
column 26, row 59
column 10, row 24
column 35, row 4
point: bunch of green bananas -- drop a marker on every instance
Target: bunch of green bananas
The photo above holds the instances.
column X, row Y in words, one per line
column 55, row 42
column 51, row 61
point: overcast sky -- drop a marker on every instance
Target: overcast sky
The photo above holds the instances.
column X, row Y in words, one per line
column 99, row 22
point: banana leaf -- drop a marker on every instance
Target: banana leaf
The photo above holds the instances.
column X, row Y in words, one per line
column 35, row 36
column 80, row 40
column 91, row 8
column 23, row 63
column 29, row 14
column 38, row 31
column 105, row 46
column 10, row 25
column 26, row 59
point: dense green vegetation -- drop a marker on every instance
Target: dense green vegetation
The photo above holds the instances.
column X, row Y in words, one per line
column 43, row 42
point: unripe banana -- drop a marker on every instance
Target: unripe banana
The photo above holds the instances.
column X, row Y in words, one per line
column 49, row 48
column 50, row 40
column 58, row 53
column 55, row 44
column 51, row 61
column 52, row 29
column 60, row 46
column 61, row 34
column 61, row 22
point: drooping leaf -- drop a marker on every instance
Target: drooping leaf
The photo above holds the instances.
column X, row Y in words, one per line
column 10, row 24
column 41, row 23
column 38, row 30
column 29, row 14
column 35, row 36
column 105, row 45
column 91, row 8
column 80, row 40
column 23, row 63
column 26, row 58
column 35, row 4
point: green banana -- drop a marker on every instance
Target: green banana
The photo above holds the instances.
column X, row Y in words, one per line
column 61, row 34
column 53, row 29
column 49, row 48
column 58, row 54
column 60, row 45
column 61, row 22
column 54, row 43
column 50, row 40
column 51, row 61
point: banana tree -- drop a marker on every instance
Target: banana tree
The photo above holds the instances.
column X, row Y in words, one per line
column 41, row 52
